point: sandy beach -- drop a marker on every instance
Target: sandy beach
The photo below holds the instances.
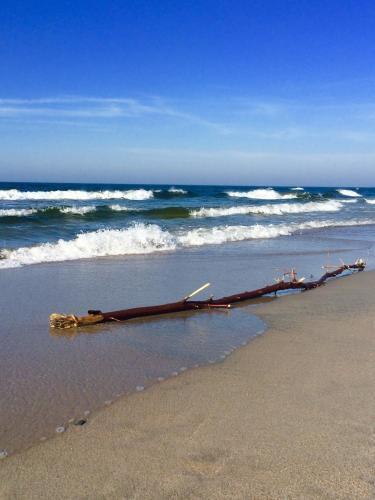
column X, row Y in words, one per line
column 291, row 415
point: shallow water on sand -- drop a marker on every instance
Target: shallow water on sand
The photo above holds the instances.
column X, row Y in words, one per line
column 48, row 378
column 53, row 377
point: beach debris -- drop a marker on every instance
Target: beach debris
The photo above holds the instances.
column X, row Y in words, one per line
column 140, row 388
column 60, row 429
column 3, row 454
column 288, row 281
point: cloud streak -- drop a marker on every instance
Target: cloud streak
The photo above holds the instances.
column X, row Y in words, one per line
column 241, row 119
column 99, row 108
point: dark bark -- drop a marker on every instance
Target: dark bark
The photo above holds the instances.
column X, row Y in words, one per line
column 139, row 312
column 95, row 316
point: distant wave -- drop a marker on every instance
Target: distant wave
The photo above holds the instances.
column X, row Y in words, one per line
column 15, row 212
column 297, row 189
column 144, row 239
column 71, row 194
column 77, row 210
column 102, row 211
column 121, row 208
column 261, row 194
column 177, row 190
column 349, row 192
column 277, row 209
column 56, row 210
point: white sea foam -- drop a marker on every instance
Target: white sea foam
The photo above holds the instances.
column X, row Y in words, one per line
column 77, row 210
column 120, row 208
column 137, row 239
column 261, row 194
column 349, row 192
column 297, row 189
column 15, row 212
column 71, row 194
column 370, row 202
column 177, row 190
column 223, row 234
column 353, row 200
column 144, row 239
column 277, row 209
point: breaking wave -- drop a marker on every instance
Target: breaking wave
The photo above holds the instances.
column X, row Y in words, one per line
column 261, row 194
column 121, row 208
column 133, row 240
column 370, row 202
column 177, row 190
column 224, row 234
column 14, row 212
column 72, row 194
column 77, row 210
column 297, row 189
column 277, row 209
column 349, row 192
column 353, row 200
column 145, row 239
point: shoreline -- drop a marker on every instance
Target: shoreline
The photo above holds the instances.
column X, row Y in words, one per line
column 290, row 414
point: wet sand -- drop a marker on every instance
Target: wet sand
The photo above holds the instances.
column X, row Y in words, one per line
column 291, row 415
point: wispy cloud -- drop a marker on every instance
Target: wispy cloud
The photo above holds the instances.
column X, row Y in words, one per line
column 99, row 108
column 240, row 118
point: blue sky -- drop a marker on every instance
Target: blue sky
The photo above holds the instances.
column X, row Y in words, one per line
column 243, row 92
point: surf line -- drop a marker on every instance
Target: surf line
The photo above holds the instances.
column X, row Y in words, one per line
column 63, row 321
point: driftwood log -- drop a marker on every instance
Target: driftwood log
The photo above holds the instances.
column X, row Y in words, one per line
column 95, row 316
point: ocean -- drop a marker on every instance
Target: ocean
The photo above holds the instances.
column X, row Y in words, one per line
column 68, row 248
column 58, row 222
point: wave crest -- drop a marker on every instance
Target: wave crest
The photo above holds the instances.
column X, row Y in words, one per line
column 72, row 194
column 177, row 190
column 77, row 210
column 349, row 192
column 144, row 239
column 138, row 239
column 14, row 212
column 261, row 194
column 277, row 209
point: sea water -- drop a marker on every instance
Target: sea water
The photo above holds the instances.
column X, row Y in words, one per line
column 69, row 248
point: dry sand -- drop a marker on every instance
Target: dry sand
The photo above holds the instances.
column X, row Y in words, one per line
column 291, row 415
